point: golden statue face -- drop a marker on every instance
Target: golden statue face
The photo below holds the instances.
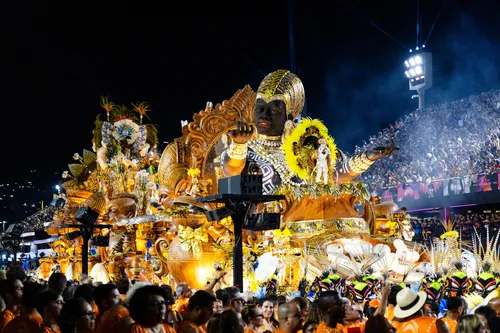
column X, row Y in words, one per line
column 120, row 208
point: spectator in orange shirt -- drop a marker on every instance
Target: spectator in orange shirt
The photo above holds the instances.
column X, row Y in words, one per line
column 148, row 308
column 13, row 294
column 303, row 304
column 123, row 286
column 183, row 293
column 409, row 314
column 290, row 318
column 233, row 299
column 107, row 299
column 253, row 318
column 77, row 316
column 230, row 322
column 379, row 324
column 455, row 310
column 310, row 327
column 86, row 291
column 213, row 323
column 29, row 320
column 391, row 301
column 49, row 307
column 333, row 311
column 201, row 308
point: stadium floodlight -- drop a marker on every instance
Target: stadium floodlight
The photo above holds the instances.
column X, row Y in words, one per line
column 418, row 70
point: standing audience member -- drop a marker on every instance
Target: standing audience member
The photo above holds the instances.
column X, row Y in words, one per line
column 107, row 299
column 315, row 315
column 290, row 318
column 471, row 324
column 148, row 308
column 379, row 324
column 254, row 319
column 391, row 301
column 270, row 322
column 303, row 306
column 218, row 308
column 200, row 309
column 123, row 286
column 409, row 314
column 494, row 303
column 230, row 322
column 310, row 327
column 77, row 316
column 13, row 294
column 489, row 318
column 183, row 293
column 333, row 312
column 58, row 282
column 213, row 323
column 86, row 291
column 29, row 320
column 454, row 312
column 49, row 307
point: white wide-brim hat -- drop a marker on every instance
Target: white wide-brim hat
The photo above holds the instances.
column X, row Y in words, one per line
column 409, row 303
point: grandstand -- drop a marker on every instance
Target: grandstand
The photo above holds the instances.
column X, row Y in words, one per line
column 456, row 139
column 448, row 165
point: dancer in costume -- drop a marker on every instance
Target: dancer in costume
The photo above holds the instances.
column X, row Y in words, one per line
column 322, row 163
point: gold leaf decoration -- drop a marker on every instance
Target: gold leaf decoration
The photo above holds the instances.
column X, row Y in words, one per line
column 70, row 184
column 89, row 157
column 76, row 169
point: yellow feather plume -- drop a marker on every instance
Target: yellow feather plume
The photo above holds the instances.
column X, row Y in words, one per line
column 295, row 143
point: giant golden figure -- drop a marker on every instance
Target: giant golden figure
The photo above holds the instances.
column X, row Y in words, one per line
column 279, row 101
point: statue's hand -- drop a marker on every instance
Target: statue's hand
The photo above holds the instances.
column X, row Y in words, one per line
column 381, row 151
column 243, row 132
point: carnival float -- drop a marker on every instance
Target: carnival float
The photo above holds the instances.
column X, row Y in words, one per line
column 332, row 235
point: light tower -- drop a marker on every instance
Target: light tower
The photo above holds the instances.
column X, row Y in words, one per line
column 418, row 70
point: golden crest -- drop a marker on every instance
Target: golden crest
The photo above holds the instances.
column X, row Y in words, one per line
column 286, row 86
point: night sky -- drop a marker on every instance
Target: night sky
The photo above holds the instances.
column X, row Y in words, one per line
column 57, row 61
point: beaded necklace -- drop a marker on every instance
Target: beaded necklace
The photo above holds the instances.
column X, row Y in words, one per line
column 271, row 152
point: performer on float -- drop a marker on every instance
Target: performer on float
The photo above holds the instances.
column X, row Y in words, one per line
column 280, row 99
column 322, row 162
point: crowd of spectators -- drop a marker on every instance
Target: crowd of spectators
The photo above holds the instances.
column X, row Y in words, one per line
column 464, row 223
column 438, row 142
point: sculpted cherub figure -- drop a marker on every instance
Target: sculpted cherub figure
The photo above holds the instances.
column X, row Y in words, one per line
column 121, row 238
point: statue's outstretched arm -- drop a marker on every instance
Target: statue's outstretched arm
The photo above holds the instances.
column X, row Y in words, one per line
column 354, row 166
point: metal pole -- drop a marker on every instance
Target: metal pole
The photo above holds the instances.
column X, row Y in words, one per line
column 421, row 95
column 238, row 220
column 86, row 233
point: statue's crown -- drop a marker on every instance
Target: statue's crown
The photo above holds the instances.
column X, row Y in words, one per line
column 285, row 86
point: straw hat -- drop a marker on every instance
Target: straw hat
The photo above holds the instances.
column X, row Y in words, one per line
column 409, row 303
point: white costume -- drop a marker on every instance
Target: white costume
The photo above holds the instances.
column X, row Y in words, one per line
column 322, row 162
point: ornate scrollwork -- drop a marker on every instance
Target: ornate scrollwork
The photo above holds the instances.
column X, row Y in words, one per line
column 199, row 136
column 161, row 248
column 211, row 123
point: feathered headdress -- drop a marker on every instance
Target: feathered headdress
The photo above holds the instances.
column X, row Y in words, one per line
column 487, row 255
